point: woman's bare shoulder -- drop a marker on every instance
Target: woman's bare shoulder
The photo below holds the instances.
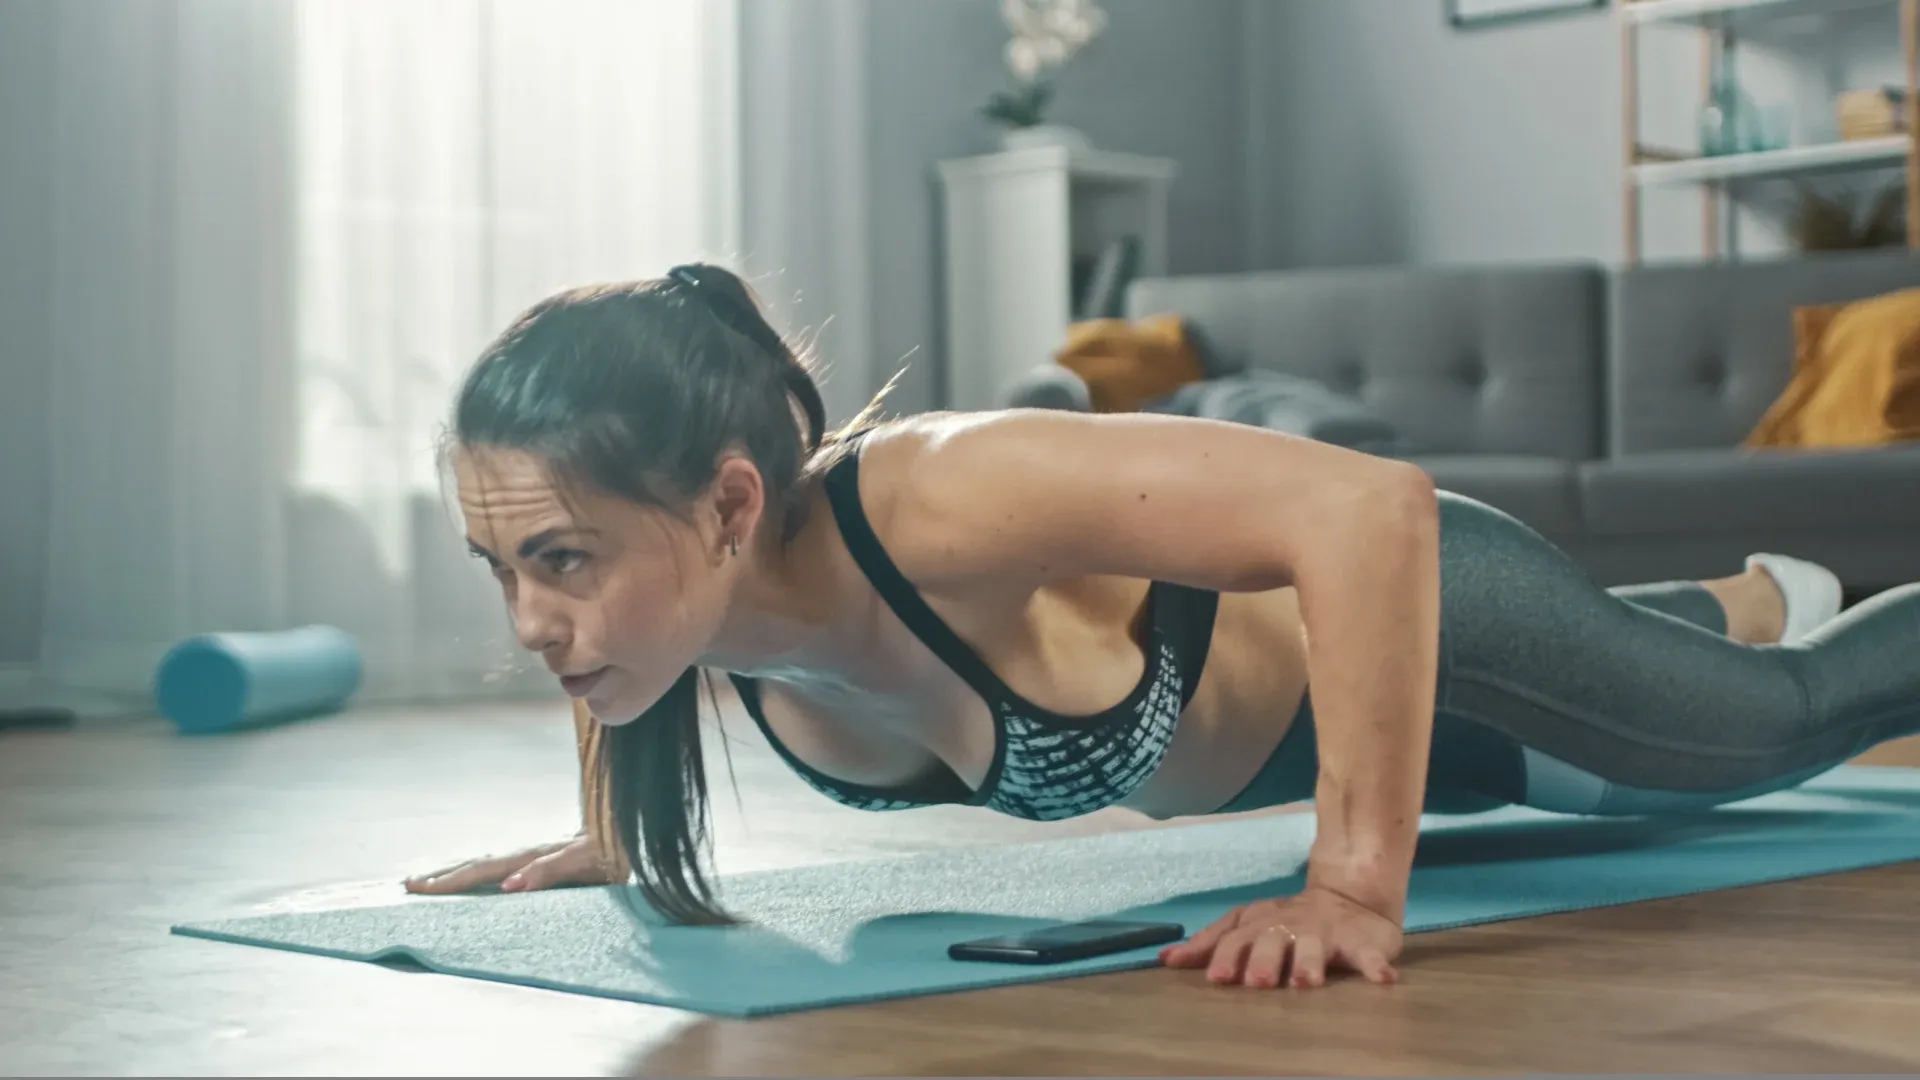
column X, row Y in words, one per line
column 1031, row 495
column 911, row 462
column 920, row 478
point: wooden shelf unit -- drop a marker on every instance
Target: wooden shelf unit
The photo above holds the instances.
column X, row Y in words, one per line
column 1719, row 23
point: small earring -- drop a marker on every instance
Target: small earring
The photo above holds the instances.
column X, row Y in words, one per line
column 733, row 543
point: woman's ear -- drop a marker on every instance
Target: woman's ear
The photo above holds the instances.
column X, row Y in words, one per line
column 739, row 500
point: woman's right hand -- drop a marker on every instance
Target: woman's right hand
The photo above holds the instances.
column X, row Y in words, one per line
column 567, row 862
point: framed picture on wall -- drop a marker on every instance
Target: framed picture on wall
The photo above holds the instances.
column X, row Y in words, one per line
column 1475, row 13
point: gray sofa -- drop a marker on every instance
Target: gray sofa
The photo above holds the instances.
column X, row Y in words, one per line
column 1604, row 408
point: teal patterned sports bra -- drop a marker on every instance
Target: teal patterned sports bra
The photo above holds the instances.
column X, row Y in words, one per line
column 1046, row 766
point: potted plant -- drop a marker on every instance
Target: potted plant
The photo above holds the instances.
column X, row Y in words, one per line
column 1046, row 34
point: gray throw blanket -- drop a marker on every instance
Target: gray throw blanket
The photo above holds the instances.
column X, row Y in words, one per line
column 1289, row 403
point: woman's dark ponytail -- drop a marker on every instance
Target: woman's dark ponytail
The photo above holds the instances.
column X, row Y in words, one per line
column 736, row 307
column 805, row 391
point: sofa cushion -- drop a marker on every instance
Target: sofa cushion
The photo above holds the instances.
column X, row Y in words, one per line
column 1462, row 360
column 1698, row 353
column 1542, row 492
column 1856, row 378
column 1726, row 491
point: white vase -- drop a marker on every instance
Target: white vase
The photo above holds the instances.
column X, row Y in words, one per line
column 1038, row 135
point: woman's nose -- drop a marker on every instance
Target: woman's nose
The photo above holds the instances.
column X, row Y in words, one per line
column 538, row 625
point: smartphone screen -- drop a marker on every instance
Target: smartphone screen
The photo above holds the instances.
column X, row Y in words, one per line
column 1068, row 941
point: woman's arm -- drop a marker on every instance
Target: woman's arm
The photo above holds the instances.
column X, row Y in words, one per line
column 1028, row 497
column 1372, row 614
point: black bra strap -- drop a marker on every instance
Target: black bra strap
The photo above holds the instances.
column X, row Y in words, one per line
column 843, row 493
column 1194, row 614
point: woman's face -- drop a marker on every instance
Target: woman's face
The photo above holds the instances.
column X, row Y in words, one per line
column 618, row 598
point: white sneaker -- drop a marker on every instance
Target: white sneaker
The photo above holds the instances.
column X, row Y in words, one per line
column 1811, row 592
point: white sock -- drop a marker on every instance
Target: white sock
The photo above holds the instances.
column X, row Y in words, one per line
column 1811, row 592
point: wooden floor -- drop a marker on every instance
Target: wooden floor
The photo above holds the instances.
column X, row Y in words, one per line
column 110, row 834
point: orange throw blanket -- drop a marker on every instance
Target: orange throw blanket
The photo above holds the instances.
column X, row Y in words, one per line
column 1856, row 378
column 1128, row 363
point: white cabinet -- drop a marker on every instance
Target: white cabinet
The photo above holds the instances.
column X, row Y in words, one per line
column 1016, row 224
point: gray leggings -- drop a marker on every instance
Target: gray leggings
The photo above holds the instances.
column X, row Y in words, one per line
column 1560, row 695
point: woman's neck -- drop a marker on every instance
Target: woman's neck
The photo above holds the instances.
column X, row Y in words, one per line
column 793, row 616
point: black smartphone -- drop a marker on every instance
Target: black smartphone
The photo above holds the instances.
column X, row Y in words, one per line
column 1068, row 941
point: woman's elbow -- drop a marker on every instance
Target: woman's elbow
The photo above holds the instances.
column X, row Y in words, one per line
column 1393, row 508
column 1409, row 504
column 1390, row 494
column 1410, row 491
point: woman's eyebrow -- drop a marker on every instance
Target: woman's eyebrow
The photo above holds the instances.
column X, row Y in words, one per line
column 531, row 545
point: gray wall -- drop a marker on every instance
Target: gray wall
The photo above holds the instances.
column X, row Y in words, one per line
column 1166, row 78
column 1378, row 133
column 26, row 244
column 1404, row 140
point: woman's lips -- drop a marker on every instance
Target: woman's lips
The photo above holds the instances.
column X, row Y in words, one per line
column 579, row 685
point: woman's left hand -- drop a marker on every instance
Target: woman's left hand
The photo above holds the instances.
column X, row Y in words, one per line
column 1299, row 937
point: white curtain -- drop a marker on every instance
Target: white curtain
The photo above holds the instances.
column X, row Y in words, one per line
column 804, row 188
column 171, row 383
column 282, row 230
column 459, row 161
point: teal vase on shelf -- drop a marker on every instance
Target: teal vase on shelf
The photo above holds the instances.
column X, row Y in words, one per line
column 1727, row 119
column 1731, row 122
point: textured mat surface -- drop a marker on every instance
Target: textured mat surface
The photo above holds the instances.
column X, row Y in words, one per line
column 862, row 931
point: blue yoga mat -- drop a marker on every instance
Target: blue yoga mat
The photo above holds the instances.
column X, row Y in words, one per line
column 863, row 931
column 221, row 682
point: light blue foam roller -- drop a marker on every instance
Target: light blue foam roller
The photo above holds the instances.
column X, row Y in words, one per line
column 220, row 682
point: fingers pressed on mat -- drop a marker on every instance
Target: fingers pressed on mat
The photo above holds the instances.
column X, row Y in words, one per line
column 1374, row 965
column 1309, row 962
column 538, row 874
column 463, row 876
column 1230, row 956
column 1267, row 962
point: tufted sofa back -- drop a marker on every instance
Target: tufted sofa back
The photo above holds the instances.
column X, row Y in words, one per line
column 1495, row 360
column 1699, row 353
